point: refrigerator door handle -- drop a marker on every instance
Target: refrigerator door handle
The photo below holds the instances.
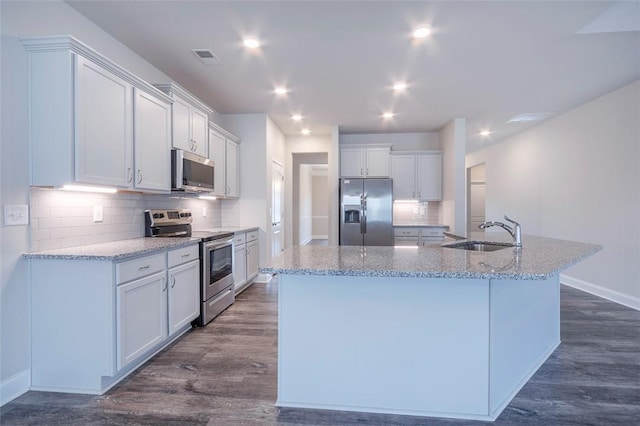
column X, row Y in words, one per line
column 364, row 214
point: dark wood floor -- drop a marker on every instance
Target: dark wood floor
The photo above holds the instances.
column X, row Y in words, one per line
column 225, row 374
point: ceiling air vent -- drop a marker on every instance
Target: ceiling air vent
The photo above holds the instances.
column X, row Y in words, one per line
column 207, row 57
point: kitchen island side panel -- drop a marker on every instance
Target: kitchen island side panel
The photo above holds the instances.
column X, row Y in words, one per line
column 525, row 330
column 396, row 345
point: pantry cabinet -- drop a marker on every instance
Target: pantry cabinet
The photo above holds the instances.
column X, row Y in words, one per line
column 417, row 176
column 83, row 112
column 364, row 161
column 190, row 118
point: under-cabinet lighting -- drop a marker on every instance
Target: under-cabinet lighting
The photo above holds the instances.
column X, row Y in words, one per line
column 83, row 188
column 207, row 197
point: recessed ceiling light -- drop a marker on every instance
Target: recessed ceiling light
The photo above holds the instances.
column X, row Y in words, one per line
column 529, row 117
column 400, row 87
column 422, row 32
column 281, row 90
column 485, row 133
column 251, row 43
column 305, row 132
column 296, row 117
column 388, row 115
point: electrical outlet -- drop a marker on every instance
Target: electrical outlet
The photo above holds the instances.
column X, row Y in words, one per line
column 204, row 212
column 16, row 215
column 97, row 214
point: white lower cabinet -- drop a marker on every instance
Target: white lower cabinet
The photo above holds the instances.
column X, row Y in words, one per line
column 246, row 259
column 416, row 236
column 141, row 316
column 95, row 321
column 183, row 295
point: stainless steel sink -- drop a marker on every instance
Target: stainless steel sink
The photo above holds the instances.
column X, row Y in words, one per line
column 478, row 246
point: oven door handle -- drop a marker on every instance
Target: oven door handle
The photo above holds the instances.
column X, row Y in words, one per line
column 218, row 244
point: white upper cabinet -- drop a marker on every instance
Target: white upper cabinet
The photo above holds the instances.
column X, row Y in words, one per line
column 224, row 150
column 82, row 120
column 417, row 176
column 190, row 120
column 364, row 161
column 152, row 142
column 217, row 153
column 233, row 169
column 104, row 124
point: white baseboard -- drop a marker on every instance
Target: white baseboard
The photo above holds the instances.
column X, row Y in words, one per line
column 14, row 386
column 605, row 293
column 319, row 237
column 306, row 241
column 263, row 278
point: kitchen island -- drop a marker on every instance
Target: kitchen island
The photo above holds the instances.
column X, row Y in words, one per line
column 428, row 331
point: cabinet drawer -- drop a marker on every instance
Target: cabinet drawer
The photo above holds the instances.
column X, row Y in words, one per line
column 183, row 255
column 138, row 268
column 405, row 241
column 240, row 239
column 406, row 232
column 252, row 236
column 432, row 232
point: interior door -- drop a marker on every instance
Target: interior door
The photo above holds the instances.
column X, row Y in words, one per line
column 277, row 207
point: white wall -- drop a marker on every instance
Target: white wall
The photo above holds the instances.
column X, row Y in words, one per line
column 453, row 143
column 22, row 19
column 577, row 177
column 319, row 205
column 426, row 141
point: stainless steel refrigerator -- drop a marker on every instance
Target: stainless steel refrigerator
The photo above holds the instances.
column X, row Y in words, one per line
column 366, row 212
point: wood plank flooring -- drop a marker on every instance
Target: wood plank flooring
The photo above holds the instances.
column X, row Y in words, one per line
column 225, row 374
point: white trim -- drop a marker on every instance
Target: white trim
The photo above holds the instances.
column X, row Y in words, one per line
column 306, row 241
column 605, row 293
column 14, row 386
column 263, row 278
column 319, row 237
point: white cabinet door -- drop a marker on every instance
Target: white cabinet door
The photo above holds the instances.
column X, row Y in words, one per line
column 239, row 266
column 253, row 257
column 429, row 177
column 141, row 316
column 184, row 295
column 104, row 126
column 199, row 132
column 181, row 121
column 152, row 143
column 217, row 153
column 403, row 173
column 377, row 162
column 352, row 162
column 233, row 169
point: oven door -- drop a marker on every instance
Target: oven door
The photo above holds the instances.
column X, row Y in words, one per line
column 217, row 267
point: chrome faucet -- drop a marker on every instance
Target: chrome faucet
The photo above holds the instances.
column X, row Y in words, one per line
column 515, row 231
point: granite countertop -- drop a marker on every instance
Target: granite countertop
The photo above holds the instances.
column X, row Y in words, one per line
column 539, row 259
column 420, row 225
column 116, row 250
column 234, row 229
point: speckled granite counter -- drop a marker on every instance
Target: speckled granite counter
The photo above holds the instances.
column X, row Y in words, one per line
column 234, row 229
column 539, row 259
column 116, row 250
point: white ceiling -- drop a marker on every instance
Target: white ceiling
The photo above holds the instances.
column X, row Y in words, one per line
column 486, row 61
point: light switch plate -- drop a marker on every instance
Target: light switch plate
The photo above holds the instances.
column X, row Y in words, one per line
column 97, row 214
column 204, row 212
column 16, row 215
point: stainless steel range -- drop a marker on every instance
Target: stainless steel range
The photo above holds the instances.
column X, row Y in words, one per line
column 216, row 258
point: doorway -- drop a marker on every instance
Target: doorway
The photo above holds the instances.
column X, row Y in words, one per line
column 310, row 204
column 476, row 197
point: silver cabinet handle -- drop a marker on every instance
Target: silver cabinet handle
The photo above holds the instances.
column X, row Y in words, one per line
column 186, row 255
column 139, row 176
column 164, row 284
column 361, row 172
column 142, row 268
column 173, row 281
column 367, row 171
column 129, row 175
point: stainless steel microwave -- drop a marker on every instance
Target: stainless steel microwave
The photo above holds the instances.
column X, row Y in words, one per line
column 190, row 172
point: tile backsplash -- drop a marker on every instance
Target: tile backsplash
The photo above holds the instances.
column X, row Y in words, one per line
column 62, row 219
column 423, row 212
